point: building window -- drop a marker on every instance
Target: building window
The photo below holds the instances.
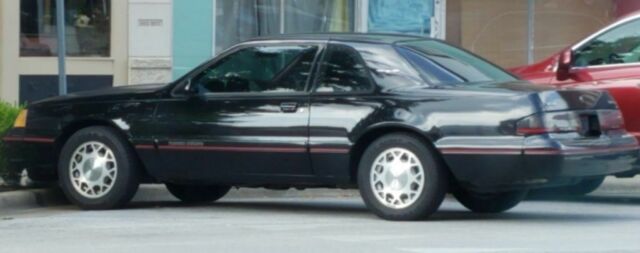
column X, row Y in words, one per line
column 37, row 87
column 304, row 16
column 239, row 20
column 401, row 16
column 88, row 28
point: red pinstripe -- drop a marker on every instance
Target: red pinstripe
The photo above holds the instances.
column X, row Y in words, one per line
column 247, row 149
column 535, row 151
column 28, row 139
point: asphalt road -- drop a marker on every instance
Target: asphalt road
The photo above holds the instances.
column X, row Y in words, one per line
column 607, row 221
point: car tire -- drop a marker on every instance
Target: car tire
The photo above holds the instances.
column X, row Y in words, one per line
column 98, row 169
column 194, row 194
column 489, row 202
column 389, row 178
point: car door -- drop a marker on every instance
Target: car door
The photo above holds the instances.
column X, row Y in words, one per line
column 339, row 104
column 348, row 101
column 241, row 119
column 613, row 54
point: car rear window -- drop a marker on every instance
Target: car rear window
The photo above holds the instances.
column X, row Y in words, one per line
column 443, row 64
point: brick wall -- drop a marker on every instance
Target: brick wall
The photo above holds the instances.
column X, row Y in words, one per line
column 497, row 29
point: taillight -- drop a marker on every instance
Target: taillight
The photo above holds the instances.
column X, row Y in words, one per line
column 555, row 122
column 585, row 123
column 531, row 125
column 611, row 120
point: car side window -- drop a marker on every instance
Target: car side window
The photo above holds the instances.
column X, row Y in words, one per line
column 431, row 71
column 260, row 69
column 343, row 71
column 617, row 46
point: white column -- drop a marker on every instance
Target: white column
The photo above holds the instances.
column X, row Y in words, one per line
column 150, row 41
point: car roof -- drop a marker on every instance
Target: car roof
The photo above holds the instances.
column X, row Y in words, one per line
column 379, row 38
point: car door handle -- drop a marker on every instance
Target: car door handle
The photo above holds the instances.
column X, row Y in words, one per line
column 289, row 107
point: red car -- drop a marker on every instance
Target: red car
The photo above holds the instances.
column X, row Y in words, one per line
column 607, row 60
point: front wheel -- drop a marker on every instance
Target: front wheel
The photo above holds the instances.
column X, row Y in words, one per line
column 193, row 194
column 489, row 202
column 97, row 169
column 401, row 179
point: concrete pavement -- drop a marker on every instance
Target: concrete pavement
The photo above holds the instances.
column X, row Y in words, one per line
column 607, row 221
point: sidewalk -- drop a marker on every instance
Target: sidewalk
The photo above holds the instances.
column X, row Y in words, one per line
column 626, row 186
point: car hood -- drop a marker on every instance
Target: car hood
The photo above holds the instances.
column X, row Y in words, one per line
column 116, row 93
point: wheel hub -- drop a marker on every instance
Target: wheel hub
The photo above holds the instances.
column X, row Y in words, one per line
column 93, row 169
column 397, row 178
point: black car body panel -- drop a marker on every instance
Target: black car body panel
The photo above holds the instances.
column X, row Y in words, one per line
column 310, row 138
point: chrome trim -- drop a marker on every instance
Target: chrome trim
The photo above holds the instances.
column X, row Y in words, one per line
column 632, row 64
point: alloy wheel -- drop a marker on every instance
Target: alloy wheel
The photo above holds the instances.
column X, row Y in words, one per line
column 93, row 169
column 397, row 178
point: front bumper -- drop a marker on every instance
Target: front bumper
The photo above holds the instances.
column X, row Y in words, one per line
column 35, row 153
column 541, row 162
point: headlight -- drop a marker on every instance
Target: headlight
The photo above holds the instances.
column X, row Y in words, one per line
column 21, row 120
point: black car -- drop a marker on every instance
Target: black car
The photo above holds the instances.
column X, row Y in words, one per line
column 406, row 119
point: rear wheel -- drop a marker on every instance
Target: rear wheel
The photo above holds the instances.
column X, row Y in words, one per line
column 400, row 178
column 98, row 169
column 489, row 202
column 197, row 193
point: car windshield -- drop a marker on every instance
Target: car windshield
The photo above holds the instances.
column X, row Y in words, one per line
column 442, row 64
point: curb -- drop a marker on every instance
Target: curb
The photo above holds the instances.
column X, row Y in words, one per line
column 154, row 193
column 50, row 197
column 29, row 199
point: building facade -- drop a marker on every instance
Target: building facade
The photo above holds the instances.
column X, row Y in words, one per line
column 114, row 43
column 97, row 56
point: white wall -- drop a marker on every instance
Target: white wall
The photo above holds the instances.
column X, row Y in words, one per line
column 150, row 41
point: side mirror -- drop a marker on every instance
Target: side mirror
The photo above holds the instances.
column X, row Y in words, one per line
column 190, row 89
column 564, row 65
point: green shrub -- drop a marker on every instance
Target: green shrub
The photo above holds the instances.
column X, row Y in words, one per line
column 8, row 114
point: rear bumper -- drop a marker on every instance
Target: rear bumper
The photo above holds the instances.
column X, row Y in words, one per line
column 539, row 163
column 561, row 167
